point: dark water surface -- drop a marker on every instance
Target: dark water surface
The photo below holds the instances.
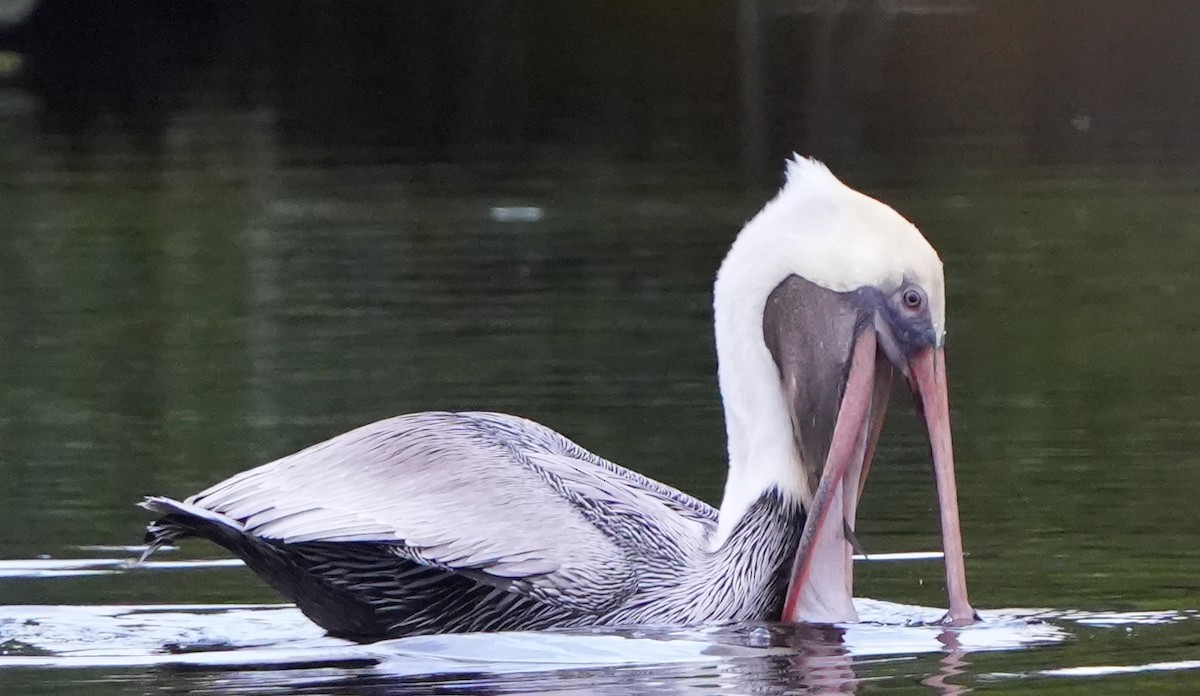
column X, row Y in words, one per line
column 169, row 319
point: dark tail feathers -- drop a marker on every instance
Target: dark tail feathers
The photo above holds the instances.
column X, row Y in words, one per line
column 182, row 520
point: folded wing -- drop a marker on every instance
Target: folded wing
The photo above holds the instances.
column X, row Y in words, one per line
column 500, row 500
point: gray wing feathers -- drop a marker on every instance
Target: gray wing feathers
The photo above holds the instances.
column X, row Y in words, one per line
column 492, row 495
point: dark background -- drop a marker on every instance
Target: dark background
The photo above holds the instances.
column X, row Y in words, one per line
column 746, row 81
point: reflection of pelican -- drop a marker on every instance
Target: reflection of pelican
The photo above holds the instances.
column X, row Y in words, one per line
column 952, row 664
column 821, row 663
column 437, row 522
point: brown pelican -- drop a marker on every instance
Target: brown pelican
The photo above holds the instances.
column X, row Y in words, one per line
column 449, row 522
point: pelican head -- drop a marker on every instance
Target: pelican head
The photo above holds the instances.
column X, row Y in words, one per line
column 825, row 296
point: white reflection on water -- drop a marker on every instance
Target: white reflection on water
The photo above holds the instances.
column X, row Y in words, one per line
column 1111, row 670
column 243, row 635
column 249, row 647
column 1126, row 618
column 74, row 567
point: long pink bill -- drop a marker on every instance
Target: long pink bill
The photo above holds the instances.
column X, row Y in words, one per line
column 927, row 370
column 820, row 587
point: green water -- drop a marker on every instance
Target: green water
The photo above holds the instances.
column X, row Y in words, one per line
column 167, row 320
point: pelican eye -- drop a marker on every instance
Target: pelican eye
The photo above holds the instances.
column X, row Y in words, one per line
column 913, row 299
